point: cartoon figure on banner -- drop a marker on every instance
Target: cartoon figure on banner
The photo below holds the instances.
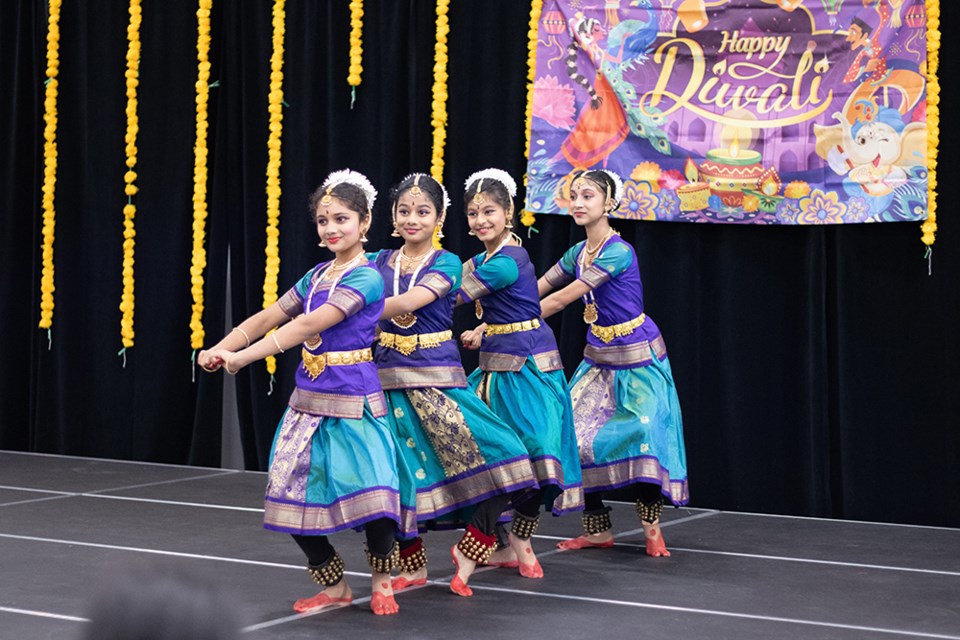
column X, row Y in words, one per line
column 872, row 147
column 610, row 115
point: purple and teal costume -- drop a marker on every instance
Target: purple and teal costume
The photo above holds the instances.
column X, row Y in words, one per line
column 457, row 450
column 333, row 464
column 625, row 405
column 521, row 376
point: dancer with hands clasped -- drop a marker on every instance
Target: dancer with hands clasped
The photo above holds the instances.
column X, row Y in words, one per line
column 333, row 464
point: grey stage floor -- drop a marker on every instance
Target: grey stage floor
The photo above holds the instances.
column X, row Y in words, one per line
column 63, row 521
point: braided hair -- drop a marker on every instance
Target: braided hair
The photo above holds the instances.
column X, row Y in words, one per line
column 582, row 28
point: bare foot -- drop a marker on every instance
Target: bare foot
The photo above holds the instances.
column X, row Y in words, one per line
column 600, row 540
column 337, row 595
column 465, row 567
column 382, row 601
column 527, row 559
column 505, row 558
column 656, row 547
column 406, row 580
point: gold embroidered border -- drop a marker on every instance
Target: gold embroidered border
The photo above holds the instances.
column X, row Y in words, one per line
column 443, row 423
column 412, row 377
column 595, row 276
column 341, row 515
column 626, row 472
column 638, row 353
column 500, row 361
column 570, row 500
column 548, row 361
column 468, row 268
column 291, row 303
column 347, row 301
column 436, row 283
column 337, row 405
column 504, row 478
column 473, row 288
column 557, row 277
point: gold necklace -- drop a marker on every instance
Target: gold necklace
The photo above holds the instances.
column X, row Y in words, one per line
column 477, row 307
column 590, row 312
column 407, row 320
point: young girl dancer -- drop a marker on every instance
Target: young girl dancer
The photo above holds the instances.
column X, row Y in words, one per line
column 460, row 453
column 333, row 465
column 520, row 375
column 624, row 400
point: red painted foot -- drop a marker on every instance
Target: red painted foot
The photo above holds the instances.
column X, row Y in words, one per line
column 583, row 543
column 400, row 583
column 319, row 601
column 383, row 605
column 655, row 544
column 531, row 570
column 457, row 585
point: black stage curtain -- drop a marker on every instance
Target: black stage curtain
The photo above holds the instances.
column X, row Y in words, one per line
column 816, row 367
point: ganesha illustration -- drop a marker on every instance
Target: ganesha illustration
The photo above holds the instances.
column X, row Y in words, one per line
column 872, row 146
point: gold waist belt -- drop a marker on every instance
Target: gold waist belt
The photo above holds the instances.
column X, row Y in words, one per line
column 513, row 327
column 315, row 363
column 617, row 330
column 408, row 344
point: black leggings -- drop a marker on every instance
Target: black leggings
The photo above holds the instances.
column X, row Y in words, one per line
column 380, row 538
column 646, row 492
column 484, row 518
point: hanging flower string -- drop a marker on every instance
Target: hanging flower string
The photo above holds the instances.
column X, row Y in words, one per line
column 49, row 168
column 273, row 168
column 527, row 217
column 438, row 119
column 130, row 177
column 929, row 227
column 199, row 260
column 356, row 48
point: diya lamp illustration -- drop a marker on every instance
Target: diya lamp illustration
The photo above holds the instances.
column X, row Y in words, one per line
column 767, row 189
column 728, row 171
column 694, row 195
column 693, row 15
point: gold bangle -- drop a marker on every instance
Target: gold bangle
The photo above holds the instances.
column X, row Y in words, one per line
column 276, row 342
column 244, row 335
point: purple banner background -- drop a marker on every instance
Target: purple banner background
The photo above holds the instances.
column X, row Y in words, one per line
column 735, row 111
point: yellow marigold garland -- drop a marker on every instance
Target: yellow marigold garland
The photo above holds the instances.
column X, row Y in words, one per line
column 438, row 118
column 929, row 227
column 356, row 47
column 130, row 177
column 49, row 165
column 199, row 260
column 536, row 7
column 273, row 166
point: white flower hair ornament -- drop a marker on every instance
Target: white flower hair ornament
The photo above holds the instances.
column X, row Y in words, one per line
column 443, row 189
column 348, row 176
column 617, row 187
column 498, row 175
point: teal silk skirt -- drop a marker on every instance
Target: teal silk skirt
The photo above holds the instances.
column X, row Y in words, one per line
column 330, row 474
column 537, row 406
column 629, row 428
column 457, row 451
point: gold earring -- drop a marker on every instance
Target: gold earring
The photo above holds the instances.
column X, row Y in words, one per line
column 471, row 233
column 363, row 238
column 396, row 231
column 322, row 244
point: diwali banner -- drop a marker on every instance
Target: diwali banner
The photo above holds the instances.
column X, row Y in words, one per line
column 736, row 111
